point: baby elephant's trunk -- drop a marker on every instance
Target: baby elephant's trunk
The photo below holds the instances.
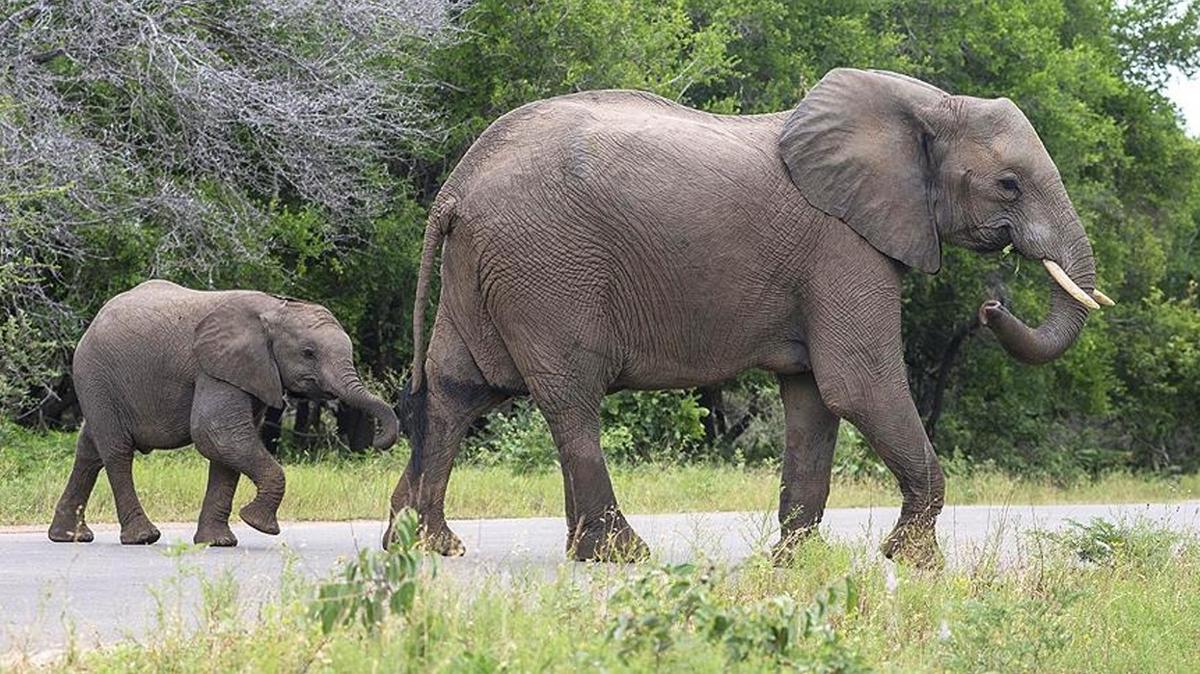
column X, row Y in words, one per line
column 353, row 393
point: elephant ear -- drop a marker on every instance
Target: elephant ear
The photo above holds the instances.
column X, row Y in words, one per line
column 233, row 343
column 860, row 148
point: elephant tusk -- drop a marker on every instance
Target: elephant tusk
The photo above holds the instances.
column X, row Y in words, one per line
column 1102, row 299
column 1060, row 277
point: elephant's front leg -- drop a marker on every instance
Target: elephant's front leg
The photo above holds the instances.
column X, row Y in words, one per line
column 887, row 417
column 895, row 431
column 225, row 432
column 807, row 461
column 858, row 363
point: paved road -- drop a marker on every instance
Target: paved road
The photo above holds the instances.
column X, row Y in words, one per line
column 104, row 591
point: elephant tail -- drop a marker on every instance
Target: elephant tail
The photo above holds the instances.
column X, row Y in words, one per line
column 410, row 411
column 435, row 233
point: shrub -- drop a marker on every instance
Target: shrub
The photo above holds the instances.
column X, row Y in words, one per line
column 660, row 425
column 375, row 584
column 1102, row 542
column 659, row 609
column 520, row 439
column 636, row 427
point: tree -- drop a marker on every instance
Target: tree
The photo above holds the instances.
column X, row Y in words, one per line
column 215, row 144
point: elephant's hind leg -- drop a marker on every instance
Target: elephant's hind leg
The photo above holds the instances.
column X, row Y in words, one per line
column 136, row 528
column 69, row 525
column 455, row 394
column 811, row 436
column 213, row 528
column 596, row 528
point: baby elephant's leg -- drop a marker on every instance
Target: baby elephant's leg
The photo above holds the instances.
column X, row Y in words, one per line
column 69, row 525
column 224, row 430
column 214, row 528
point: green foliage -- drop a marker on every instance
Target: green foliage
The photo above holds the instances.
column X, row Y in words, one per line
column 854, row 458
column 27, row 359
column 636, row 427
column 657, row 425
column 520, row 440
column 662, row 608
column 517, row 55
column 374, row 585
column 1160, row 374
column 1088, row 73
column 996, row 633
column 1103, row 542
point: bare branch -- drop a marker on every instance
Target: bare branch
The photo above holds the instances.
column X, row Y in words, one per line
column 195, row 123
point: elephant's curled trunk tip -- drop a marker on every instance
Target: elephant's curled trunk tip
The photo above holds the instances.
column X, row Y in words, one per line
column 389, row 429
column 1070, row 304
column 357, row 396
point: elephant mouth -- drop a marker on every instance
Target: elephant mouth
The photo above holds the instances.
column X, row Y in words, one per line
column 309, row 389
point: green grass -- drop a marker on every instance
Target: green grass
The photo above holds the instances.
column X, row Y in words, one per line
column 1132, row 608
column 34, row 468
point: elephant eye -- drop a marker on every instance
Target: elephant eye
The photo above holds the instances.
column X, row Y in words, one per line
column 309, row 352
column 1009, row 184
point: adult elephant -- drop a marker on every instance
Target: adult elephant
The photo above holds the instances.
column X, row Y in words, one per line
column 615, row 240
column 162, row 366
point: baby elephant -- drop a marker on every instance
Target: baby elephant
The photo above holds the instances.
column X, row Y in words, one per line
column 162, row 366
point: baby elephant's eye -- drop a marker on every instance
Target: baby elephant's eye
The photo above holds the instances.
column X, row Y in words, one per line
column 1009, row 184
column 309, row 352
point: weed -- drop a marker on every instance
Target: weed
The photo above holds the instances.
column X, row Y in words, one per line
column 657, row 609
column 1103, row 542
column 374, row 584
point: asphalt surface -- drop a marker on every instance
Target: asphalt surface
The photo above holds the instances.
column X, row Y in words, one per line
column 103, row 592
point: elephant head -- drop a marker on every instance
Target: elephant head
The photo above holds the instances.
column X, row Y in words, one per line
column 266, row 345
column 907, row 165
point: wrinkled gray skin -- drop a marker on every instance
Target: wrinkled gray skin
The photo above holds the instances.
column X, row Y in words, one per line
column 615, row 240
column 162, row 366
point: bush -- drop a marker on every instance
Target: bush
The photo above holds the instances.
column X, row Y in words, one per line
column 375, row 584
column 1128, row 544
column 636, row 427
column 660, row 609
column 519, row 439
column 658, row 425
column 27, row 363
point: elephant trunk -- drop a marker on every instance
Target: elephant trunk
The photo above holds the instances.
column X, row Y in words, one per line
column 1072, row 295
column 351, row 391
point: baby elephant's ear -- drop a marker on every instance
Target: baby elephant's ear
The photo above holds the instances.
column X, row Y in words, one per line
column 233, row 344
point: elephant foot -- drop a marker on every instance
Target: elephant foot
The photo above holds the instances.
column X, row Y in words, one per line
column 260, row 517
column 442, row 541
column 141, row 533
column 914, row 545
column 608, row 539
column 216, row 535
column 68, row 529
